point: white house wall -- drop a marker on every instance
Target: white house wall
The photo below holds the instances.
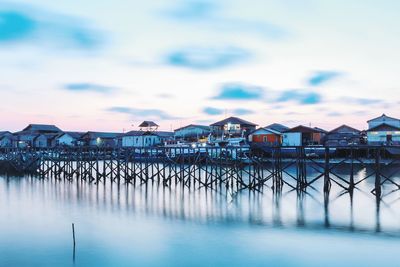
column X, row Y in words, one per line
column 66, row 140
column 381, row 137
column 140, row 141
column 190, row 131
column 291, row 139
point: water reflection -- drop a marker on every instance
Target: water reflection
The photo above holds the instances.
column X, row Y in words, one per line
column 351, row 210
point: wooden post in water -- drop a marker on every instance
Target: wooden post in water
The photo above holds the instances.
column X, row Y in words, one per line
column 73, row 234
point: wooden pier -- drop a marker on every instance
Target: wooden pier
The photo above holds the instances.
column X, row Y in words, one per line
column 211, row 167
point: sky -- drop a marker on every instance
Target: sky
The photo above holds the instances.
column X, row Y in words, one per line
column 108, row 65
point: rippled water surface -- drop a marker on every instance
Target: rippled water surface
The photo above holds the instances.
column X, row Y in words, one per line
column 153, row 225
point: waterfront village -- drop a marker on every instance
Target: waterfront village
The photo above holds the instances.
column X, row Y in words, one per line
column 232, row 131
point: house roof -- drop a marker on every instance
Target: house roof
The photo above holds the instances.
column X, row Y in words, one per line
column 10, row 136
column 50, row 135
column 164, row 134
column 277, row 127
column 41, row 128
column 138, row 133
column 75, row 135
column 342, row 127
column 320, row 130
column 384, row 127
column 305, row 129
column 204, row 127
column 233, row 120
column 383, row 116
column 156, row 133
column 266, row 129
column 94, row 135
column 5, row 133
column 148, row 124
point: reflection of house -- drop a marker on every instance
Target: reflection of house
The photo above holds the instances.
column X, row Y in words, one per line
column 68, row 139
column 192, row 132
column 342, row 136
column 101, row 139
column 303, row 136
column 232, row 127
column 384, row 134
column 270, row 135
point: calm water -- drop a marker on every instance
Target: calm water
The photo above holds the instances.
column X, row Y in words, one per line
column 120, row 225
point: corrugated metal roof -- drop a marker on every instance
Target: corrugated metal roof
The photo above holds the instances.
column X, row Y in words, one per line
column 305, row 129
column 75, row 135
column 277, row 127
column 205, row 127
column 233, row 120
column 384, row 127
column 41, row 128
column 148, row 124
column 138, row 133
column 93, row 135
column 382, row 117
column 266, row 129
column 164, row 134
column 342, row 127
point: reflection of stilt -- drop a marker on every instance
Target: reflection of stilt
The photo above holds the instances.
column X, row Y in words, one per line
column 326, row 209
column 300, row 208
column 276, row 215
column 351, row 194
column 378, row 190
column 378, row 216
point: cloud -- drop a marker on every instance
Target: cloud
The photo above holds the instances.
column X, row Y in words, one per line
column 15, row 26
column 207, row 58
column 304, row 98
column 44, row 29
column 242, row 111
column 361, row 101
column 236, row 91
column 193, row 10
column 213, row 111
column 142, row 113
column 89, row 87
column 321, row 77
column 165, row 96
column 334, row 114
column 209, row 16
